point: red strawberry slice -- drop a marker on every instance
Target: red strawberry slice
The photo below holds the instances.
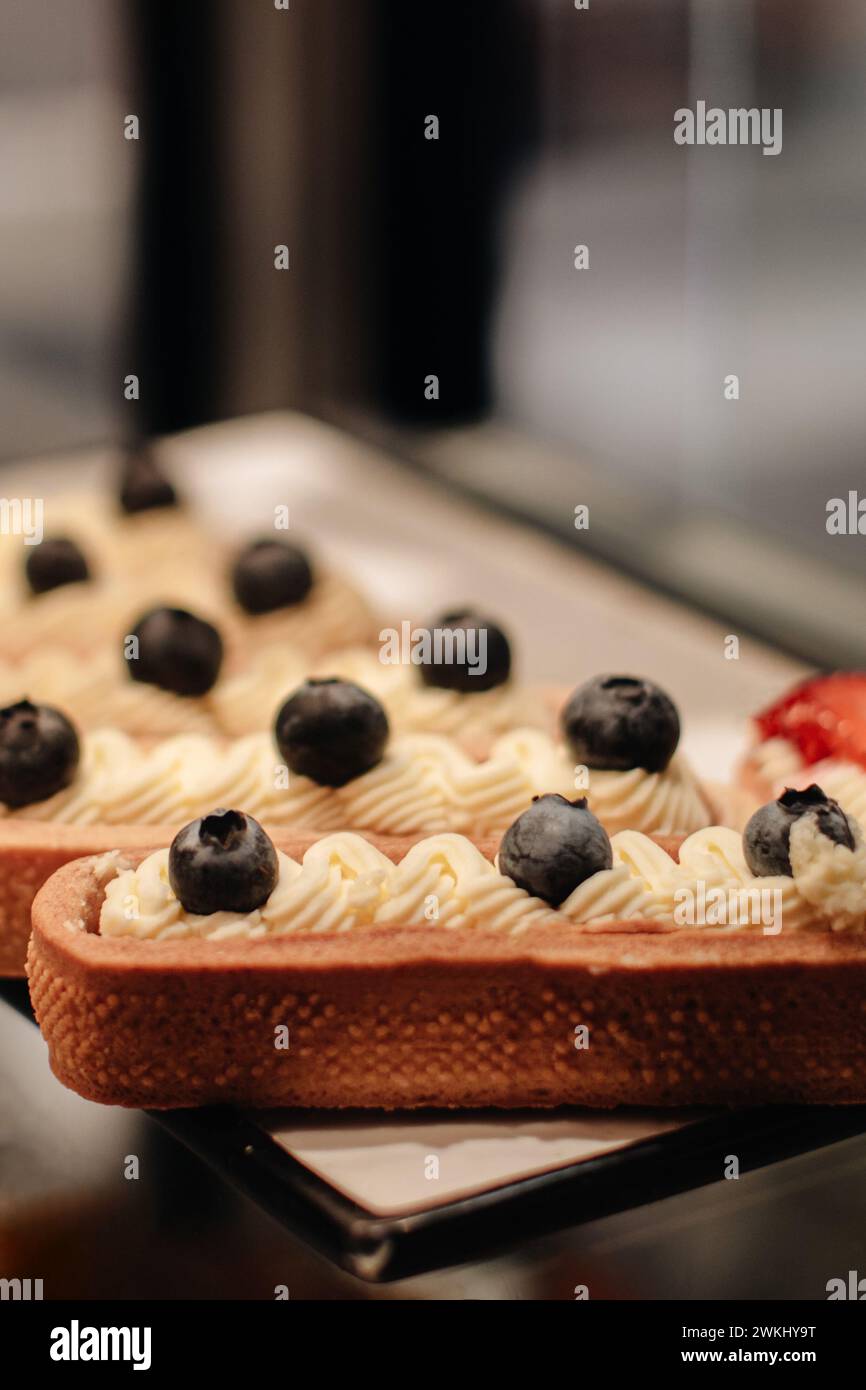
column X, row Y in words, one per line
column 825, row 717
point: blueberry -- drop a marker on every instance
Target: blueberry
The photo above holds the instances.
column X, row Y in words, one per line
column 223, row 862
column 39, row 753
column 331, row 731
column 621, row 722
column 474, row 637
column 271, row 574
column 143, row 485
column 176, row 651
column 767, row 837
column 53, row 563
column 553, row 847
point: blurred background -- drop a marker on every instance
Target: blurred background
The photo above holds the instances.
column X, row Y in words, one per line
column 412, row 257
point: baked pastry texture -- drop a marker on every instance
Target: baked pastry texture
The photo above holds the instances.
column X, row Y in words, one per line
column 30, row 854
column 500, row 1001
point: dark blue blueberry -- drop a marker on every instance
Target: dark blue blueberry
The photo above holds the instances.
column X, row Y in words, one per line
column 54, row 562
column 331, row 731
column 271, row 574
column 176, row 651
column 39, row 753
column 143, row 485
column 621, row 722
column 553, row 847
column 767, row 837
column 223, row 862
column 484, row 641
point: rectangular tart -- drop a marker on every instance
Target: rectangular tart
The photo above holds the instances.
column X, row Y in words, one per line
column 398, row 1017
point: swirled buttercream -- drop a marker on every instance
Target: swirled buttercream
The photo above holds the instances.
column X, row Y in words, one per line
column 774, row 762
column 97, row 693
column 333, row 615
column 711, row 862
column 778, row 764
column 831, row 878
column 657, row 803
column 425, row 783
column 246, row 700
column 345, row 884
column 716, row 856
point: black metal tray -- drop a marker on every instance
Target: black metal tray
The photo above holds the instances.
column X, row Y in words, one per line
column 379, row 1249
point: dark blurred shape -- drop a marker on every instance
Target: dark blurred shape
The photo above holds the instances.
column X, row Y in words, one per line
column 176, row 301
column 142, row 485
column 437, row 223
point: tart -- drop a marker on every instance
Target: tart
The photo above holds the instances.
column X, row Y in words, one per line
column 334, row 613
column 227, row 968
column 423, row 783
column 93, row 564
column 814, row 733
column 246, row 681
column 250, row 686
column 330, row 765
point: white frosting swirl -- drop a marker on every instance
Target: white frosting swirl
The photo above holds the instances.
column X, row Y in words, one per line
column 97, row 693
column 138, row 543
column 778, row 764
column 334, row 614
column 342, row 884
column 246, row 700
column 831, row 878
column 445, row 881
column 116, row 782
column 610, row 895
column 644, row 859
column 712, row 861
column 345, row 884
column 68, row 617
column 715, row 855
column 775, row 762
column 777, row 899
column 845, row 782
column 424, row 784
column 658, row 803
